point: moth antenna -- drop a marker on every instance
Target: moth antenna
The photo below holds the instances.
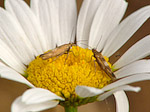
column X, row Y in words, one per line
column 86, row 45
column 81, row 40
column 72, row 34
column 98, row 42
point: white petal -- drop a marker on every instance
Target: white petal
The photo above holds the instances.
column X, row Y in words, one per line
column 58, row 19
column 122, row 103
column 141, row 66
column 39, row 95
column 125, row 30
column 85, row 91
column 86, row 15
column 29, row 23
column 139, row 50
column 19, row 106
column 8, row 73
column 15, row 37
column 54, row 20
column 67, row 18
column 10, row 59
column 106, row 19
column 34, row 4
column 127, row 80
column 125, row 88
column 48, row 16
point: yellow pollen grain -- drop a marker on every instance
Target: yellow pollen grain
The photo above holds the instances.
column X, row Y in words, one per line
column 61, row 75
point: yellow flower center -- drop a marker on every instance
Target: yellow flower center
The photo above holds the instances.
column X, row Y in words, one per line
column 62, row 74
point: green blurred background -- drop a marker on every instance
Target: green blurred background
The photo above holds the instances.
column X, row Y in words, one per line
column 139, row 102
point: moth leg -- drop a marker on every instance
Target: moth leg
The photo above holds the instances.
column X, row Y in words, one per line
column 66, row 58
column 68, row 54
column 95, row 65
column 90, row 59
column 55, row 59
column 73, row 53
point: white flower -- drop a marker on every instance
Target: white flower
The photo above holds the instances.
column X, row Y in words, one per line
column 27, row 32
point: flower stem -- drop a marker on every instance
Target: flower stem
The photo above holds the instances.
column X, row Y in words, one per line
column 70, row 109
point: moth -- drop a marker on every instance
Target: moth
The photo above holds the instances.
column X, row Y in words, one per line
column 57, row 51
column 103, row 64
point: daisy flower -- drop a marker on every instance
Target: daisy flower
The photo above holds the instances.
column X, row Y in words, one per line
column 71, row 78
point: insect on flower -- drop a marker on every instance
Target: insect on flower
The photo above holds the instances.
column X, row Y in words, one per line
column 103, row 64
column 60, row 50
column 57, row 51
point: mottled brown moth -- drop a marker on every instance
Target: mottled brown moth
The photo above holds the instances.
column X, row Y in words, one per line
column 103, row 64
column 57, row 51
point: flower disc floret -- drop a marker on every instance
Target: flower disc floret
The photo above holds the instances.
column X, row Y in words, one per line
column 62, row 74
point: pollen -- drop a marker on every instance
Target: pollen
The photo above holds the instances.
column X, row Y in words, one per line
column 62, row 74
